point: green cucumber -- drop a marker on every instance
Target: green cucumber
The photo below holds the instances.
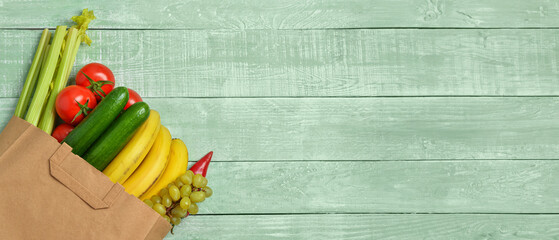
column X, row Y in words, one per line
column 96, row 122
column 102, row 152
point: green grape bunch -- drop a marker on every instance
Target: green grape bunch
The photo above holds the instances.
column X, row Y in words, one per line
column 181, row 197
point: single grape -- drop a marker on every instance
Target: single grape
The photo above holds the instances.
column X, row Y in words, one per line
column 148, row 202
column 189, row 173
column 170, row 185
column 166, row 200
column 156, row 199
column 209, row 192
column 183, row 212
column 186, row 190
column 159, row 208
column 163, row 192
column 186, row 178
column 178, row 212
column 193, row 209
column 175, row 220
column 205, row 183
column 185, row 203
column 198, row 181
column 175, row 193
column 167, row 218
column 197, row 197
column 178, row 182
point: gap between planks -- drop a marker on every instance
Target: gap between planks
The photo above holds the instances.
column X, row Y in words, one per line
column 297, row 29
column 343, row 97
column 378, row 213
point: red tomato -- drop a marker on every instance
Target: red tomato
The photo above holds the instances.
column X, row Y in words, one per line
column 62, row 131
column 101, row 80
column 73, row 103
column 133, row 97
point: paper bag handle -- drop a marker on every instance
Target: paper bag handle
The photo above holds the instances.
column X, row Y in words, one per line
column 95, row 200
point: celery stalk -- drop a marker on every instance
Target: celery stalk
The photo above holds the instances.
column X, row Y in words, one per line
column 63, row 72
column 74, row 54
column 45, row 77
column 82, row 24
column 34, row 70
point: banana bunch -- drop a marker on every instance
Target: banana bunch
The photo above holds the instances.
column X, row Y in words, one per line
column 150, row 160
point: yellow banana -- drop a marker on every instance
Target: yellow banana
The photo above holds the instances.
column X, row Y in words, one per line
column 152, row 166
column 178, row 162
column 130, row 157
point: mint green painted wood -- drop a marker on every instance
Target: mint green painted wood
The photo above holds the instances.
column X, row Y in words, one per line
column 341, row 129
column 368, row 226
column 268, row 129
column 296, row 116
column 284, row 14
column 310, row 63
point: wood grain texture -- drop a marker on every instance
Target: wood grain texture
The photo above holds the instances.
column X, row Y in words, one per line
column 338, row 119
column 269, row 63
column 284, row 14
column 256, row 129
column 292, row 129
column 385, row 227
column 520, row 186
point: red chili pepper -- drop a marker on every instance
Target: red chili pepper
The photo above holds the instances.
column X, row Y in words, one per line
column 201, row 167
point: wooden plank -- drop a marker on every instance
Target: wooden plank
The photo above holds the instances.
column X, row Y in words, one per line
column 365, row 128
column 284, row 14
column 367, row 226
column 288, row 129
column 507, row 186
column 267, row 63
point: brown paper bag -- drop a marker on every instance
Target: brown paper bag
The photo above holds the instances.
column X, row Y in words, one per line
column 47, row 192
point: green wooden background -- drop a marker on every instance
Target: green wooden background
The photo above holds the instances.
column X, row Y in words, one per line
column 338, row 119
